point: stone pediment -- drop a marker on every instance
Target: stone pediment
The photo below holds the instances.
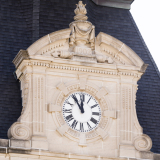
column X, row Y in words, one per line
column 107, row 50
column 78, row 43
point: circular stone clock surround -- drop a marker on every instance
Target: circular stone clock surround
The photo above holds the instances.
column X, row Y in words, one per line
column 92, row 89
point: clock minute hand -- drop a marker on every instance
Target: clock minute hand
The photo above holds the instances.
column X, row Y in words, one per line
column 75, row 99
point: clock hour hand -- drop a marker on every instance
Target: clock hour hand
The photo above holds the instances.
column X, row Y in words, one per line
column 75, row 99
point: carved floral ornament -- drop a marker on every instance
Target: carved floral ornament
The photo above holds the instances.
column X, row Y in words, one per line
column 76, row 51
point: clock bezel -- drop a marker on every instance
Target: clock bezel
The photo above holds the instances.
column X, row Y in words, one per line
column 96, row 102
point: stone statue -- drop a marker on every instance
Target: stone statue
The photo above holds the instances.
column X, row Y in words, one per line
column 82, row 31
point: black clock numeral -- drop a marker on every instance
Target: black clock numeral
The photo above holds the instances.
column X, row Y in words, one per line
column 81, row 97
column 69, row 103
column 89, row 100
column 94, row 105
column 81, row 127
column 89, row 127
column 74, row 124
column 95, row 113
column 69, row 117
column 68, row 110
column 93, row 120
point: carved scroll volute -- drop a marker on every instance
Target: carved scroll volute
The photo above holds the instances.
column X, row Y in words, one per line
column 143, row 143
column 21, row 129
column 31, row 123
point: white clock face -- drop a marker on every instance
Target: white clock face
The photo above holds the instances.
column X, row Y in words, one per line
column 81, row 112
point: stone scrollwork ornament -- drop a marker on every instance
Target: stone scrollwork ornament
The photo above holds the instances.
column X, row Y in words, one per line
column 143, row 143
column 19, row 131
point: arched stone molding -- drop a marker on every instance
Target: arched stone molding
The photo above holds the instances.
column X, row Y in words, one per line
column 108, row 50
column 44, row 44
column 114, row 48
column 121, row 52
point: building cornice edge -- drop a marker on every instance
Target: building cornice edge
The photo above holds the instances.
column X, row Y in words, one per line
column 114, row 3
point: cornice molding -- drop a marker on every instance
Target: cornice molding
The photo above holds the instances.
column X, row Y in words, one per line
column 76, row 68
column 124, row 4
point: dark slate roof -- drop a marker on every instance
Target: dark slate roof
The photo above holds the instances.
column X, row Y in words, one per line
column 23, row 22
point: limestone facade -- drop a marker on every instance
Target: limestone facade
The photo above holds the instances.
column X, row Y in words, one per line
column 65, row 62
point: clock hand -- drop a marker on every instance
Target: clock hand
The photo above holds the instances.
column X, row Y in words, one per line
column 75, row 99
column 82, row 100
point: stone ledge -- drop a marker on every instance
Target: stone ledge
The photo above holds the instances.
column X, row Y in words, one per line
column 4, row 143
column 114, row 3
column 146, row 155
column 156, row 156
column 4, row 146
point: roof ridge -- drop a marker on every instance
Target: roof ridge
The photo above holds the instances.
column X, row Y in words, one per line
column 145, row 46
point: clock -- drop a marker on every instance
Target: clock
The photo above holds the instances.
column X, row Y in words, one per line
column 81, row 112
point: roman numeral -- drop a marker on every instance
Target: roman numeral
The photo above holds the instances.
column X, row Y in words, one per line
column 94, row 105
column 74, row 124
column 82, row 97
column 89, row 127
column 95, row 113
column 93, row 120
column 68, row 110
column 69, row 117
column 89, row 100
column 69, row 103
column 81, row 127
